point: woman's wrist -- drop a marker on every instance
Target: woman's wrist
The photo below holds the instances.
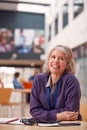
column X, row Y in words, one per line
column 59, row 117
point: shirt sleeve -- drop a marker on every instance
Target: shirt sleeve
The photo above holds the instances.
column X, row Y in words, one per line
column 72, row 94
column 36, row 109
column 17, row 84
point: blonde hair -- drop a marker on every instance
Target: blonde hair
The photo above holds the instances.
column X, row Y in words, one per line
column 69, row 56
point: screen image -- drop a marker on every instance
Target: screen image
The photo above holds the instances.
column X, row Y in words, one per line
column 22, row 40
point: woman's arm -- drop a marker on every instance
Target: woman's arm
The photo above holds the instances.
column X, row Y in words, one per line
column 72, row 101
column 68, row 112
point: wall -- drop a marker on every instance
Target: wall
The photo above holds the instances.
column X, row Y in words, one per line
column 81, row 71
column 11, row 19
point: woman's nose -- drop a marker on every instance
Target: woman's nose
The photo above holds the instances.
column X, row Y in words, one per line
column 57, row 59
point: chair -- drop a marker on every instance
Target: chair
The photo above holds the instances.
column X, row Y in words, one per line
column 83, row 111
column 27, row 85
column 5, row 100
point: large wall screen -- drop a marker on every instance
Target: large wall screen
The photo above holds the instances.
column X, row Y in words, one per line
column 22, row 34
column 22, row 40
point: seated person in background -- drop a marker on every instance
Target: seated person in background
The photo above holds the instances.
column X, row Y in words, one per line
column 16, row 83
column 56, row 93
column 32, row 77
column 30, row 80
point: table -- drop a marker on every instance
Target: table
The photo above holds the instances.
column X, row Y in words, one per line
column 23, row 92
column 26, row 127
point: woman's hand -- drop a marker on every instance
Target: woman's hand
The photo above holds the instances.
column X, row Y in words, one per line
column 67, row 116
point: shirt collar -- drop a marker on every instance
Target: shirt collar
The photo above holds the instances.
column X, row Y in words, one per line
column 48, row 82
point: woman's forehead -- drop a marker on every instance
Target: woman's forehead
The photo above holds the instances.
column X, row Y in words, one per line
column 58, row 51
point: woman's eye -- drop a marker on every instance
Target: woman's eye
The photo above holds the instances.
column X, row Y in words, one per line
column 59, row 58
column 62, row 58
column 53, row 57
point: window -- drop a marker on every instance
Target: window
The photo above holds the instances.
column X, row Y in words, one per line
column 49, row 38
column 56, row 25
column 80, row 51
column 78, row 7
column 65, row 15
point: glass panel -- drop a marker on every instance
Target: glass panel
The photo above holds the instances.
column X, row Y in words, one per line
column 56, row 25
column 80, row 51
column 78, row 7
column 49, row 38
column 65, row 15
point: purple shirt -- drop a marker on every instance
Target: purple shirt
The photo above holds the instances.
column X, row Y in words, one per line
column 68, row 98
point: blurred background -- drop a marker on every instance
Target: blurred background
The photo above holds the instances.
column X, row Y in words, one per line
column 30, row 28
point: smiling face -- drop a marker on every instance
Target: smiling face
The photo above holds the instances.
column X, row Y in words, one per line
column 57, row 62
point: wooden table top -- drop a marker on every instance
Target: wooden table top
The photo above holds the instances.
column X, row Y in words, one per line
column 27, row 127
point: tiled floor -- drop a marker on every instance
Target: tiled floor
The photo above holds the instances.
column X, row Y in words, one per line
column 14, row 111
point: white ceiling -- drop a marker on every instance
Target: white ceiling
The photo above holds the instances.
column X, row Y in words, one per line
column 33, row 1
column 34, row 6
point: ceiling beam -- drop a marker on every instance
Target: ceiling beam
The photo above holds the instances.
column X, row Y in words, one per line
column 39, row 2
column 22, row 7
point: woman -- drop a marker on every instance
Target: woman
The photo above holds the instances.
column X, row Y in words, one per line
column 56, row 93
